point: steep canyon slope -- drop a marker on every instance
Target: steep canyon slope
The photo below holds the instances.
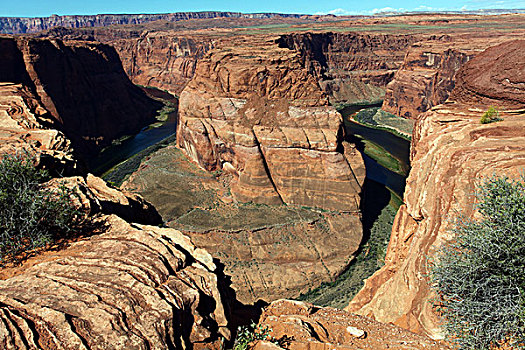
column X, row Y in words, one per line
column 111, row 283
column 451, row 151
column 81, row 85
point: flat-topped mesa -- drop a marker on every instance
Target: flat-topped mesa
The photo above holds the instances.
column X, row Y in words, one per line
column 81, row 85
column 355, row 67
column 21, row 25
column 451, row 151
column 254, row 109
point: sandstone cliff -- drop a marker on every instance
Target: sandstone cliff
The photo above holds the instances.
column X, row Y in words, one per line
column 20, row 25
column 21, row 131
column 298, row 325
column 254, row 108
column 81, row 85
column 451, row 151
column 353, row 67
column 428, row 73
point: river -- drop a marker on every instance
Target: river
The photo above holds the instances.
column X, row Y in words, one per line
column 396, row 146
column 117, row 153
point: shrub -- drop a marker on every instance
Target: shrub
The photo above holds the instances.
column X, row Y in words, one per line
column 248, row 334
column 490, row 116
column 30, row 216
column 480, row 276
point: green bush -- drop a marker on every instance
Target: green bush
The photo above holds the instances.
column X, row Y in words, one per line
column 480, row 276
column 30, row 216
column 248, row 334
column 490, row 116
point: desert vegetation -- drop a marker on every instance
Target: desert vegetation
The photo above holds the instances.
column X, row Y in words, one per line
column 31, row 215
column 480, row 276
column 490, row 116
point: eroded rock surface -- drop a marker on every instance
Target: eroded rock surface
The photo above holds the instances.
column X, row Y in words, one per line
column 132, row 286
column 255, row 107
column 22, row 131
column 428, row 74
column 270, row 252
column 298, row 325
column 92, row 196
column 451, row 151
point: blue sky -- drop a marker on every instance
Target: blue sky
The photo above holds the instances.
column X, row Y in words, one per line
column 35, row 8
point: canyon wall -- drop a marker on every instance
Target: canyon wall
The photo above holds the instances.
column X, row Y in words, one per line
column 81, row 85
column 351, row 67
column 163, row 60
column 20, row 25
column 254, row 109
column 428, row 73
column 451, row 152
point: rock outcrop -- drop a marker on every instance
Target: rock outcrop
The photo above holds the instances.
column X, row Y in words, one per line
column 254, row 108
column 92, row 195
column 21, row 25
column 81, row 85
column 352, row 67
column 130, row 286
column 270, row 252
column 451, row 151
column 298, row 325
column 428, row 74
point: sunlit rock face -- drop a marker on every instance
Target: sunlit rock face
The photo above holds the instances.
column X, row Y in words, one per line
column 451, row 151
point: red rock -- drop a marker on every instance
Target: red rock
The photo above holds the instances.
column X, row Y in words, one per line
column 451, row 151
column 131, row 286
column 271, row 124
column 81, row 85
column 298, row 325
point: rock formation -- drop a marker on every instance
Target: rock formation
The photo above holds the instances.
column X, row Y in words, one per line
column 130, row 286
column 255, row 108
column 81, row 85
column 298, row 325
column 352, row 67
column 21, row 25
column 451, row 151
column 428, row 73
column 22, row 132
column 91, row 195
column 161, row 59
column 270, row 252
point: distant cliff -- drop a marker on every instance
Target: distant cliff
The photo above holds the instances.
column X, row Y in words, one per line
column 20, row 25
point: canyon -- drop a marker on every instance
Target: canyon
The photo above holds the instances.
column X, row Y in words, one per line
column 260, row 195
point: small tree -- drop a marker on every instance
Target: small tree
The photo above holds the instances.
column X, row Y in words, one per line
column 30, row 216
column 480, row 276
column 490, row 116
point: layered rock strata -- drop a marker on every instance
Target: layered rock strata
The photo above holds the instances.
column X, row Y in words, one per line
column 451, row 151
column 131, row 286
column 270, row 252
column 428, row 73
column 255, row 109
column 353, row 67
column 22, row 132
column 21, row 25
column 297, row 325
column 81, row 85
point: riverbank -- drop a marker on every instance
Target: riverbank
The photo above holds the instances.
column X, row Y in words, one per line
column 376, row 118
column 125, row 149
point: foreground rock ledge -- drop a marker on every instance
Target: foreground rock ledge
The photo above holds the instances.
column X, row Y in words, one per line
column 131, row 287
column 298, row 325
